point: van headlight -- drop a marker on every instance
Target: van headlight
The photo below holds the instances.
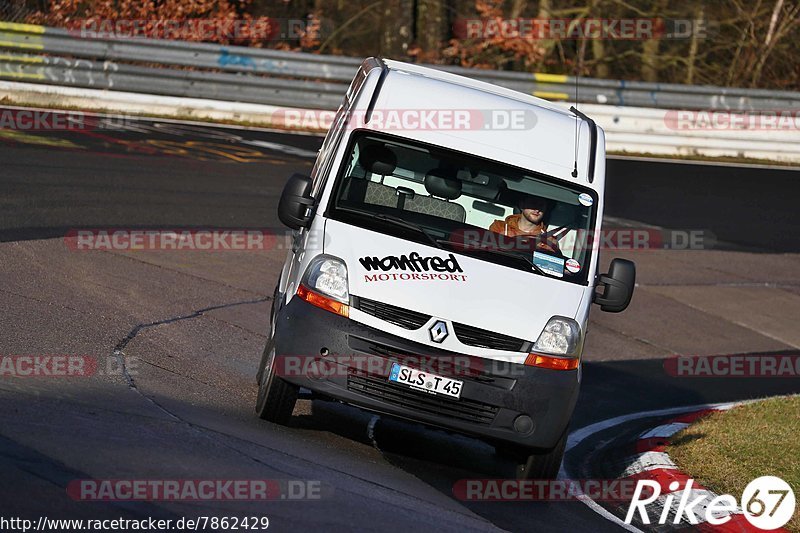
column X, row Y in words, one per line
column 561, row 336
column 328, row 275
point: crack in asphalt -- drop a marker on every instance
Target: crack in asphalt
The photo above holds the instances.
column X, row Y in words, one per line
column 216, row 436
column 758, row 284
column 237, row 326
column 641, row 340
column 749, row 327
column 176, row 271
column 119, row 354
column 174, row 373
column 39, row 300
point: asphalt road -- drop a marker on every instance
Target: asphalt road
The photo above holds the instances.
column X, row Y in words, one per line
column 743, row 208
column 191, row 326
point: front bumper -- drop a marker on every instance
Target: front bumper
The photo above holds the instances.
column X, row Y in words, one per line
column 337, row 357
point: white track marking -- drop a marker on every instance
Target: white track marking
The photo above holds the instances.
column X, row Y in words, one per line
column 662, row 432
column 646, row 461
column 579, row 435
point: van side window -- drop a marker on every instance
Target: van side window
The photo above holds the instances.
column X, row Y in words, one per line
column 322, row 165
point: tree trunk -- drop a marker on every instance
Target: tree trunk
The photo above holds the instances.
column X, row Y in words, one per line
column 773, row 21
column 396, row 16
column 693, row 46
column 545, row 12
column 651, row 66
column 430, row 25
column 769, row 43
column 601, row 69
column 518, row 8
column 599, row 55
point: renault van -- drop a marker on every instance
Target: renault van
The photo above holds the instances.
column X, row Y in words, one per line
column 442, row 264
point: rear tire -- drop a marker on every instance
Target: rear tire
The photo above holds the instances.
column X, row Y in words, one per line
column 276, row 397
column 530, row 465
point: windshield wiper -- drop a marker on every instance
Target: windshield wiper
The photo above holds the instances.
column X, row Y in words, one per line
column 397, row 221
column 503, row 253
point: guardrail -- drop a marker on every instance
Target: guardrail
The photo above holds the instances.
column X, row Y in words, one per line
column 51, row 55
column 654, row 131
column 633, row 114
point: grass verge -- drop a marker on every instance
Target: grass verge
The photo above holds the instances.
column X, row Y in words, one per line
column 727, row 450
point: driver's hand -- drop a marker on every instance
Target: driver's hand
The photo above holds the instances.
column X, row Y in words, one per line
column 546, row 247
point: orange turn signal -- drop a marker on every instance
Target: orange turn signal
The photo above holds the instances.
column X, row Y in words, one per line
column 553, row 363
column 323, row 302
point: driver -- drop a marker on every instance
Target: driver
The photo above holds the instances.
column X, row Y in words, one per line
column 528, row 223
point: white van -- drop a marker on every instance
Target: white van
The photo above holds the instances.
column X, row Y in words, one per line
column 442, row 269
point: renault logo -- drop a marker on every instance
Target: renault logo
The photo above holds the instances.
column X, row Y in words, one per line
column 438, row 331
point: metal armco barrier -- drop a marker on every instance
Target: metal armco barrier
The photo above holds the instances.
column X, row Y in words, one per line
column 635, row 115
column 31, row 53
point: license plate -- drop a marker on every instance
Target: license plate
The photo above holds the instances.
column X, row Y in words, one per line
column 425, row 381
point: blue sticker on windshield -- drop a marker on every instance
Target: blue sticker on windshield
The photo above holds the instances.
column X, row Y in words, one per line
column 550, row 264
column 585, row 199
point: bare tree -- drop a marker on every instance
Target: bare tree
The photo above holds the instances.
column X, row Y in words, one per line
column 781, row 23
column 691, row 60
column 650, row 49
column 395, row 31
column 430, row 25
column 754, row 42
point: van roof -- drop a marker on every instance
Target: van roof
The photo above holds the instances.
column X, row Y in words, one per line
column 542, row 139
column 471, row 83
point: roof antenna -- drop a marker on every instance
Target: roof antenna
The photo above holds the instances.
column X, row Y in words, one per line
column 577, row 118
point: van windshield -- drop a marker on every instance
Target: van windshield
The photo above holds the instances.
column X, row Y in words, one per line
column 467, row 205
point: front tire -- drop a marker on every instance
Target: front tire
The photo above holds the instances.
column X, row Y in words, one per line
column 276, row 397
column 530, row 465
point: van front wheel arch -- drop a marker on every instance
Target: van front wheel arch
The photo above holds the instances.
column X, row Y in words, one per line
column 276, row 397
column 535, row 465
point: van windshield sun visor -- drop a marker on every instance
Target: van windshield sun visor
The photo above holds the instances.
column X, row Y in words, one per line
column 439, row 183
column 378, row 159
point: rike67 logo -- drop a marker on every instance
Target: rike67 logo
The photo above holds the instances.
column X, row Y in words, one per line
column 767, row 502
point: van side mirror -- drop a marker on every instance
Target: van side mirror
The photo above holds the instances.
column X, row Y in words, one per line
column 295, row 204
column 617, row 286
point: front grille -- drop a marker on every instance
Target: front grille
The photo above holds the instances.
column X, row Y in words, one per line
column 482, row 338
column 382, row 389
column 435, row 360
column 404, row 318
